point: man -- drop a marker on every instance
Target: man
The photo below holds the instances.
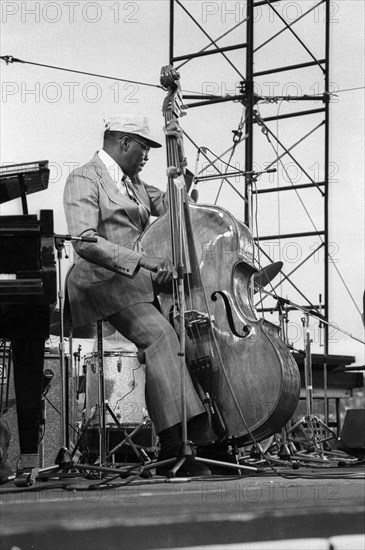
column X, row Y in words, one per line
column 110, row 279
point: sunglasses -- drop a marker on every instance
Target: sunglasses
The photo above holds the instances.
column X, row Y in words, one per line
column 146, row 148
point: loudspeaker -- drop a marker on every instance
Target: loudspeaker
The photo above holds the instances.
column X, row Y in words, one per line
column 353, row 432
column 52, row 437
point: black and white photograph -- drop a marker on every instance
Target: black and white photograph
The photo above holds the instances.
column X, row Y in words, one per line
column 182, row 292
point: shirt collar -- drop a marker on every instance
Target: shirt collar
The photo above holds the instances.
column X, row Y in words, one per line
column 113, row 168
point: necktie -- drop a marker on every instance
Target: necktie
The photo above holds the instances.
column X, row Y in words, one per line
column 130, row 191
column 143, row 212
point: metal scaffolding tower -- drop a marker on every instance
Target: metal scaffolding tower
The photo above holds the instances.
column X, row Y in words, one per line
column 293, row 38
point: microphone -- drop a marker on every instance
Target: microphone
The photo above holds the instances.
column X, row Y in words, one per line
column 4, row 478
column 86, row 239
column 48, row 375
column 173, row 172
column 71, row 238
column 194, row 191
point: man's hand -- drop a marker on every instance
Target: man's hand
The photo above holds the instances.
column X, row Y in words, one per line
column 162, row 266
column 172, row 128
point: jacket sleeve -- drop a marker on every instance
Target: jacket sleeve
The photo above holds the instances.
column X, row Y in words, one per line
column 81, row 204
column 159, row 199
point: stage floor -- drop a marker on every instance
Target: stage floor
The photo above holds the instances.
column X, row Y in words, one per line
column 321, row 508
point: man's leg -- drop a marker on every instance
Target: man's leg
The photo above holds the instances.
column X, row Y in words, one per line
column 158, row 347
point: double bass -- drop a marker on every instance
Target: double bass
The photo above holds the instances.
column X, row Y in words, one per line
column 244, row 373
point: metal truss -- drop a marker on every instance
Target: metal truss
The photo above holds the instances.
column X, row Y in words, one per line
column 303, row 140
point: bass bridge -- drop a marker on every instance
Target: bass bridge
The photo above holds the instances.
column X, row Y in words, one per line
column 197, row 320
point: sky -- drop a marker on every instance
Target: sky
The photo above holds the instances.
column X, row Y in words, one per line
column 58, row 116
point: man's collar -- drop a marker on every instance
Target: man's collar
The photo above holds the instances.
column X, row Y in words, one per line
column 113, row 167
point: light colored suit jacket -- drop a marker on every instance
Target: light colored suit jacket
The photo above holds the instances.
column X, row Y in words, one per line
column 105, row 277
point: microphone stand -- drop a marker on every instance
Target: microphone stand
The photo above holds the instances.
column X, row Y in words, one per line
column 312, row 313
column 314, row 451
column 186, row 452
column 284, row 452
column 63, row 460
column 175, row 172
column 250, row 176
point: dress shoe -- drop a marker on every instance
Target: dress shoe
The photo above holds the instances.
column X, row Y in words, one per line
column 220, row 454
column 190, row 468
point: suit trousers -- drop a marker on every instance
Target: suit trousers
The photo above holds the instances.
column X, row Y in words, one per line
column 159, row 349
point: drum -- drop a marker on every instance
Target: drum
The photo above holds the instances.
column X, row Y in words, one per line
column 124, row 381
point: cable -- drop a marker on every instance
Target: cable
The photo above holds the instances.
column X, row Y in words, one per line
column 220, row 159
column 237, row 138
column 275, row 99
column 266, row 131
column 10, row 59
column 211, row 163
column 347, row 90
column 130, row 391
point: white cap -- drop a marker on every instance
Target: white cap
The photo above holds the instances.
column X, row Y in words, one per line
column 132, row 124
